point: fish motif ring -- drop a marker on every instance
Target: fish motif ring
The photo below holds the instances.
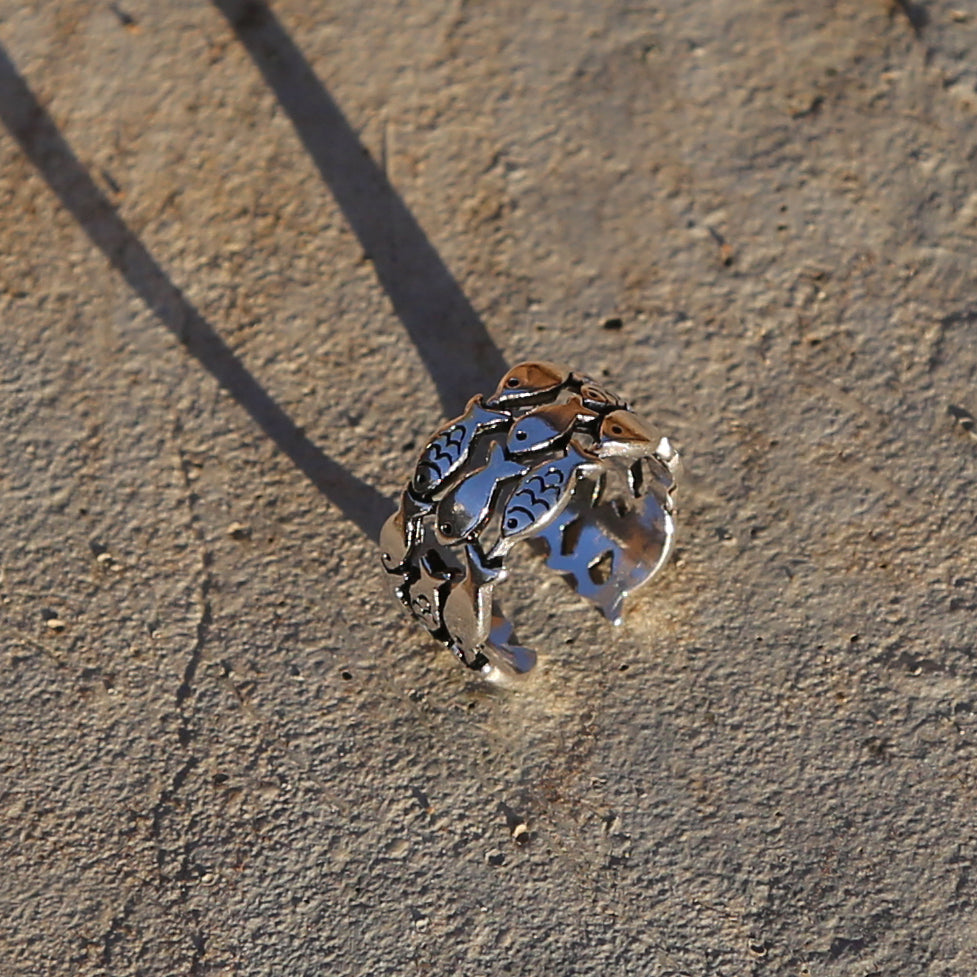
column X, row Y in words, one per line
column 551, row 456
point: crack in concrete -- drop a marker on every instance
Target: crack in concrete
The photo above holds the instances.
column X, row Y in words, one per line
column 161, row 807
column 187, row 872
column 205, row 616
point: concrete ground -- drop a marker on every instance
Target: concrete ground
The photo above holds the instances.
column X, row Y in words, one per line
column 251, row 255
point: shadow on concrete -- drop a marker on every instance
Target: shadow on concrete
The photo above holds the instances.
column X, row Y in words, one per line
column 915, row 13
column 456, row 349
column 38, row 136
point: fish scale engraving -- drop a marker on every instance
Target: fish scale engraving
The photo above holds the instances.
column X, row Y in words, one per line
column 534, row 498
column 543, row 493
column 451, row 447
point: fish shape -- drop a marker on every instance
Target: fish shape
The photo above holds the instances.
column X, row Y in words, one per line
column 467, row 610
column 425, row 595
column 467, row 507
column 546, row 427
column 450, row 448
column 626, row 439
column 401, row 531
column 543, row 494
column 631, row 549
column 622, row 435
column 528, row 382
column 594, row 395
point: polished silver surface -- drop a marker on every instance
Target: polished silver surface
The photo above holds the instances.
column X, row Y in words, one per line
column 553, row 456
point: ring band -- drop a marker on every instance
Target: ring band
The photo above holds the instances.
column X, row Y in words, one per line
column 552, row 456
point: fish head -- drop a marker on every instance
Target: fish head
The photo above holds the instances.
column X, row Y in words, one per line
column 517, row 521
column 595, row 396
column 548, row 427
column 394, row 542
column 426, row 478
column 454, row 521
column 621, row 434
column 526, row 381
column 534, row 432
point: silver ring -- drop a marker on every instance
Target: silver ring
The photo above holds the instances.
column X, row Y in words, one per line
column 550, row 456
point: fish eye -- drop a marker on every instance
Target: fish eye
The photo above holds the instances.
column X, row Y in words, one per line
column 512, row 523
column 521, row 435
column 445, row 527
column 617, row 429
column 512, row 382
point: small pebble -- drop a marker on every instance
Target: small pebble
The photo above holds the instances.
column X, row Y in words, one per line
column 238, row 530
column 494, row 857
column 55, row 624
column 964, row 420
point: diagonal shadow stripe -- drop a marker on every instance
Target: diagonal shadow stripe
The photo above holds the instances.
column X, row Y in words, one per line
column 457, row 350
column 39, row 138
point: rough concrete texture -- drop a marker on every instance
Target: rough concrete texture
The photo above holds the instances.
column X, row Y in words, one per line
column 251, row 256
